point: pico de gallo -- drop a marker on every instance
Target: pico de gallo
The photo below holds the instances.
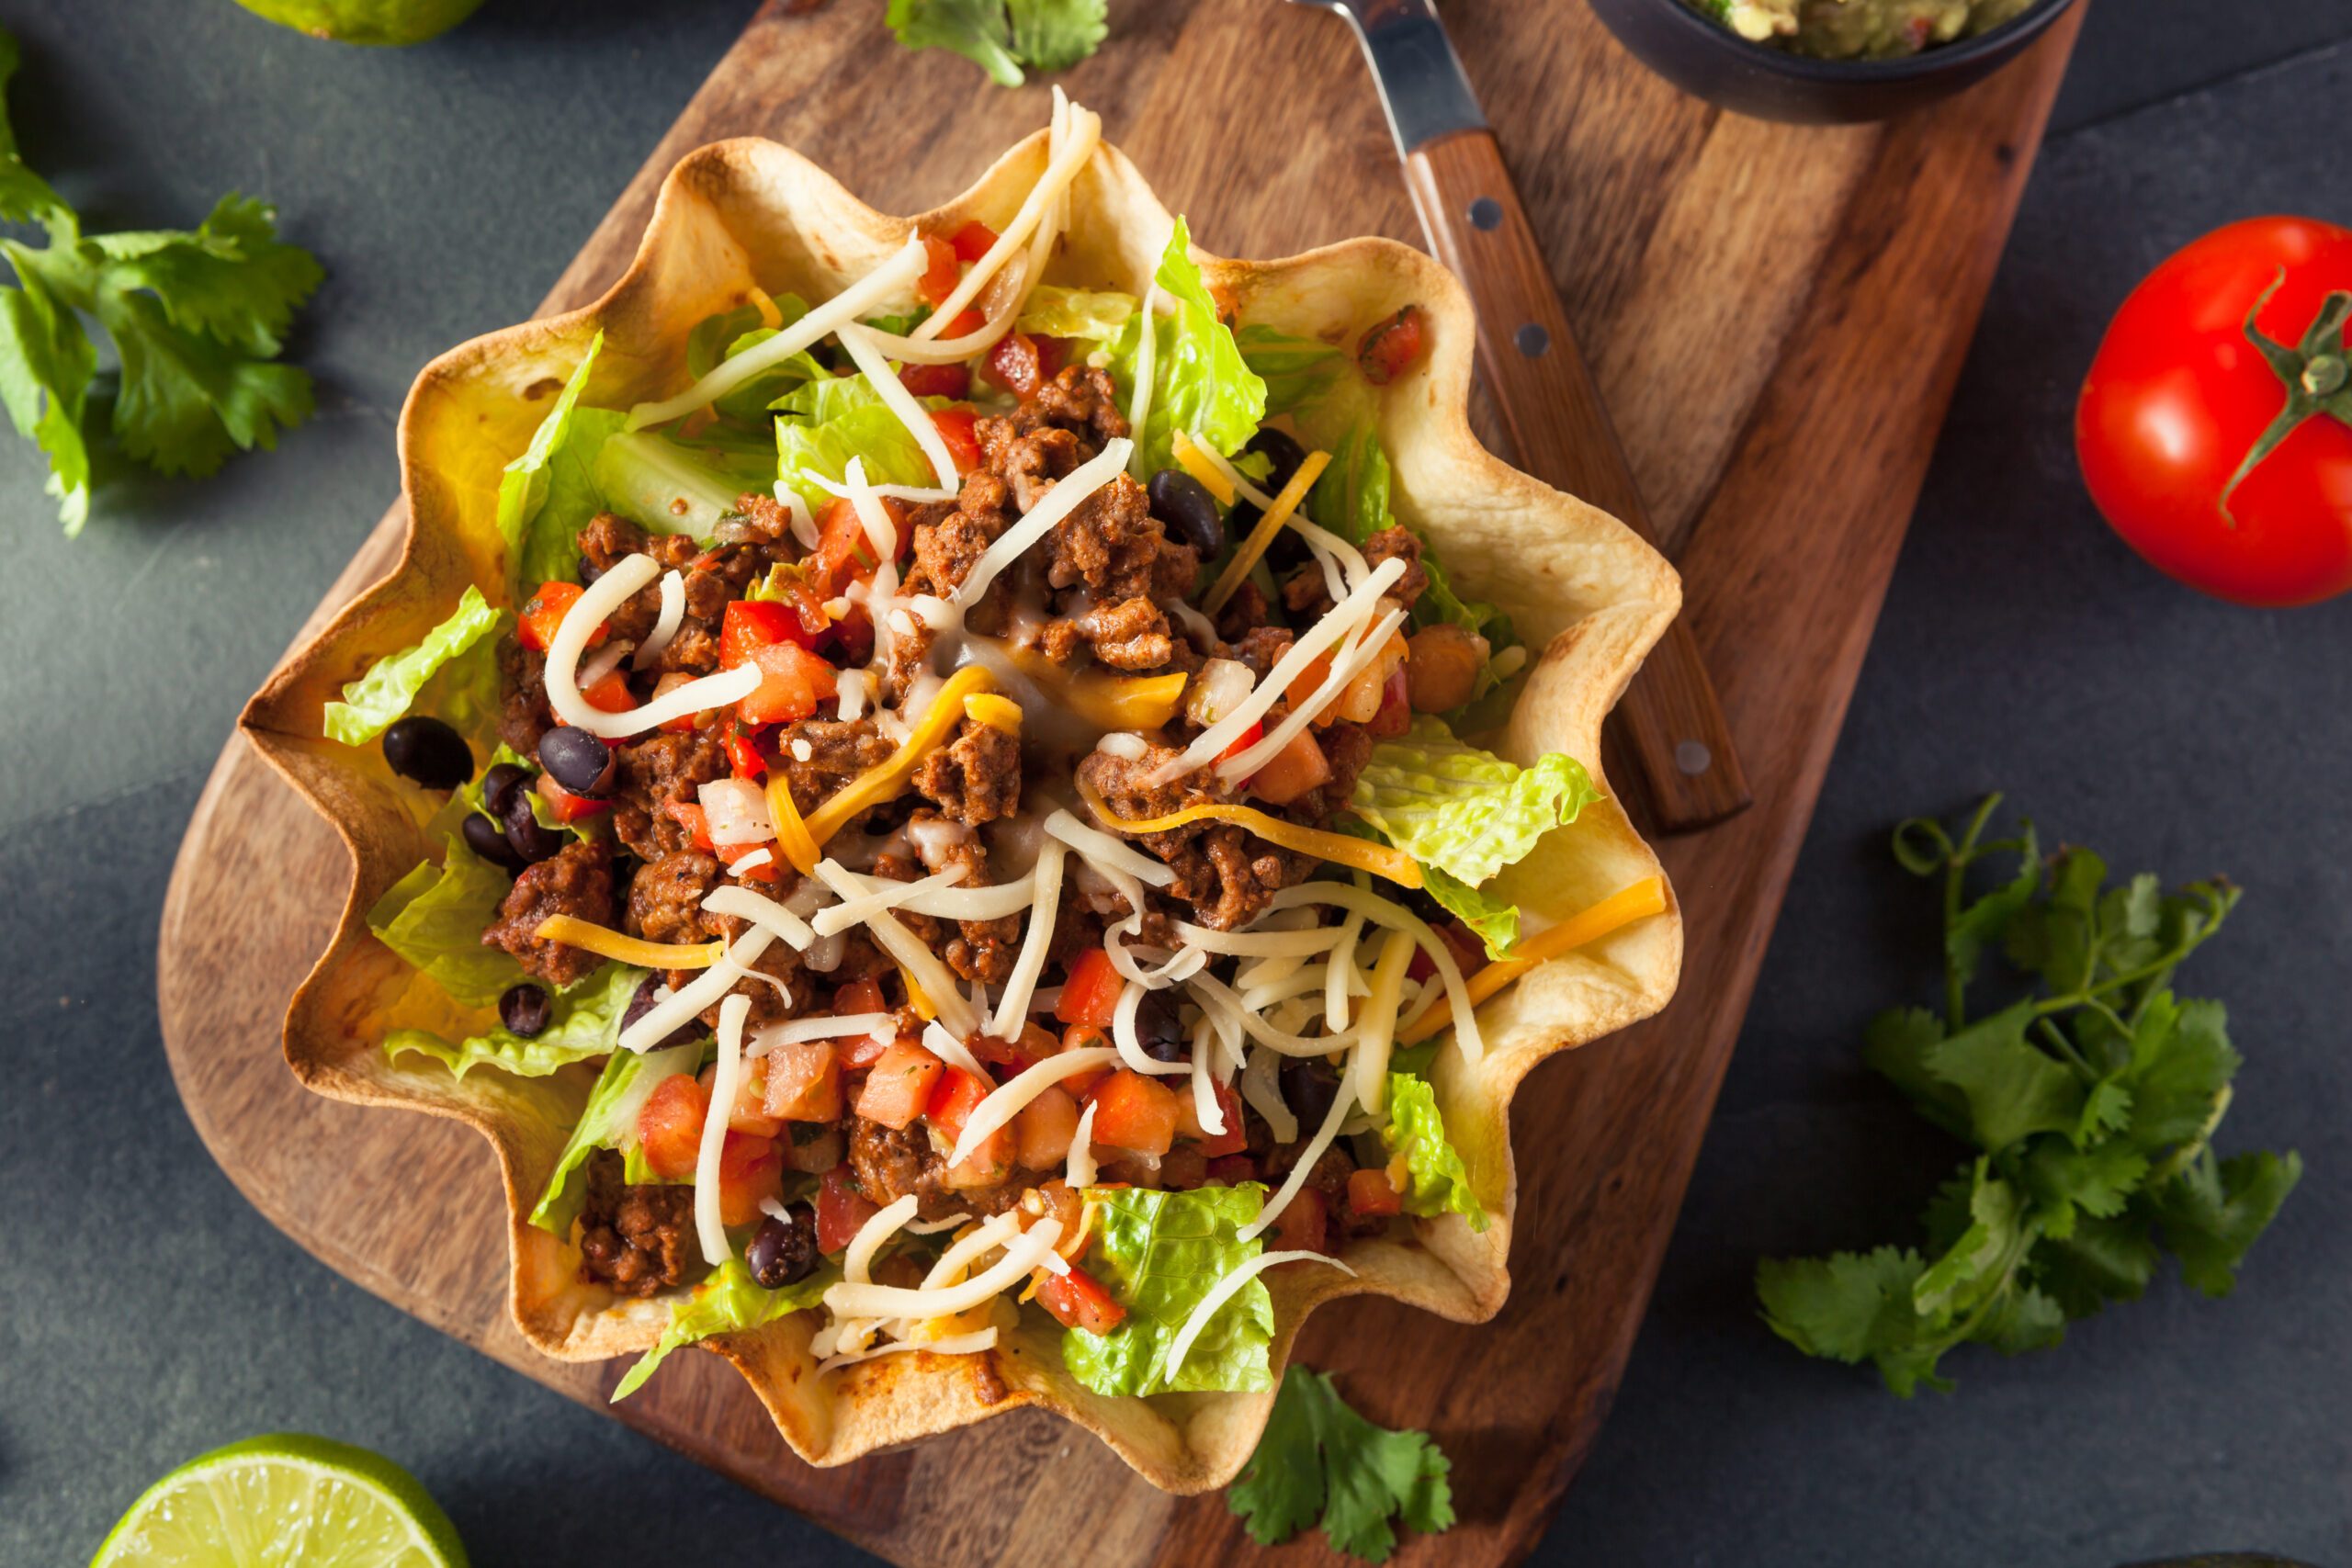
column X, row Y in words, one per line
column 976, row 776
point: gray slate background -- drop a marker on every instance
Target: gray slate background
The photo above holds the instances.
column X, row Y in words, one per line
column 148, row 1314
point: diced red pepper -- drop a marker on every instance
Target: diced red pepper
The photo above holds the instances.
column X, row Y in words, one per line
column 968, row 320
column 936, row 380
column 1242, row 743
column 565, row 805
column 536, row 626
column 1370, row 1193
column 972, row 241
column 1092, row 992
column 1013, row 365
column 743, row 755
column 689, row 816
column 943, row 273
column 668, row 1127
column 1389, row 348
column 957, row 427
column 751, row 624
column 1078, row 1300
column 841, row 1210
column 952, row 1099
column 794, row 681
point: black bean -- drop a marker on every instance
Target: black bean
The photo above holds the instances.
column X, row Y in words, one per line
column 498, row 786
column 429, row 751
column 1288, row 549
column 524, row 1010
column 581, row 762
column 784, row 1251
column 1309, row 1085
column 1185, row 506
column 529, row 840
column 643, row 1003
column 1280, row 449
column 589, row 573
column 488, row 840
column 1157, row 1027
column 1421, row 901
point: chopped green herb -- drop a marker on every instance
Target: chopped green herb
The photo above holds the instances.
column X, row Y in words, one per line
column 1318, row 1461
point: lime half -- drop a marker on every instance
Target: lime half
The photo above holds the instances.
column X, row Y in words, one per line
column 285, row 1501
column 386, row 23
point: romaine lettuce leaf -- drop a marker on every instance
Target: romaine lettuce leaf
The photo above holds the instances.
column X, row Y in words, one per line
column 1496, row 921
column 1159, row 1253
column 675, row 487
column 581, row 1023
column 1467, row 812
column 821, row 425
column 1440, row 1182
column 727, row 1302
column 435, row 915
column 721, row 337
column 608, row 1122
column 1296, row 371
column 1201, row 385
column 545, row 496
column 1088, row 314
column 389, row 688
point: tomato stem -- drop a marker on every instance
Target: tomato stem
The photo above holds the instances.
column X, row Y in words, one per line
column 2315, row 373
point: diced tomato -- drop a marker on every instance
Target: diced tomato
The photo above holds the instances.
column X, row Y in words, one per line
column 609, row 693
column 1232, row 1140
column 565, row 805
column 1092, row 992
column 1084, row 1037
column 1305, row 684
column 749, row 1114
column 898, row 1088
column 1043, row 1129
column 1303, row 1226
column 1242, row 743
column 1293, row 771
column 751, row 624
column 1013, row 365
column 1389, row 348
column 861, row 1051
column 845, row 554
column 940, row 277
column 1035, row 1045
column 750, row 1168
column 1396, row 714
column 968, row 322
column 794, row 681
column 1232, row 1170
column 1078, row 1300
column 1053, row 353
column 669, row 1126
column 859, row 995
column 952, row 1099
column 841, row 1210
column 972, row 241
column 936, row 380
column 804, row 1081
column 689, row 816
column 1370, row 1193
column 957, row 427
column 743, row 755
column 1132, row 1111
column 544, row 613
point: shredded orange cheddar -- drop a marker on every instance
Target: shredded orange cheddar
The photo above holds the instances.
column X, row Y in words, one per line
column 1623, row 906
column 590, row 937
column 1378, row 859
column 1263, row 535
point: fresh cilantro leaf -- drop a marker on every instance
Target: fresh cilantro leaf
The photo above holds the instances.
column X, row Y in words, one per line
column 1980, row 1262
column 2214, row 1210
column 976, row 30
column 45, row 367
column 1895, row 1046
column 2103, row 1260
column 2180, row 1086
column 1053, row 35
column 2010, row 1086
column 2022, row 1319
column 232, row 280
column 25, row 197
column 2063, row 1179
column 1848, row 1306
column 1318, row 1458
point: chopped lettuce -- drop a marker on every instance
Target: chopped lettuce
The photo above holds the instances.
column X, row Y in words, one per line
column 609, row 1121
column 1296, row 371
column 1089, row 315
column 584, row 1022
column 821, row 425
column 728, row 1301
column 1160, row 1254
column 721, row 337
column 1496, row 922
column 547, row 495
column 1200, row 383
column 1440, row 1182
column 389, row 688
column 435, row 915
column 1467, row 812
column 669, row 486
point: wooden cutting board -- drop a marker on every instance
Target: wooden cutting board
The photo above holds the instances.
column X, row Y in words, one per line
column 1777, row 316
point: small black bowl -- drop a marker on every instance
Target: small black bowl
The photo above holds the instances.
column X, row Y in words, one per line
column 1702, row 56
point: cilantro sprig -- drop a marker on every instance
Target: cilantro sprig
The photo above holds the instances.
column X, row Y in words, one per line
column 1002, row 36
column 2092, row 1102
column 1319, row 1461
column 197, row 317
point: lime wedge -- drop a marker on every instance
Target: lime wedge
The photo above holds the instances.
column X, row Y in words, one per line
column 285, row 1501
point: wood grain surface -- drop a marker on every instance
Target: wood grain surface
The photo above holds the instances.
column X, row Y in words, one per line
column 1776, row 316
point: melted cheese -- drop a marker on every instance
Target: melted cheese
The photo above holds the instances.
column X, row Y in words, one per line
column 952, row 1345
column 589, row 937
column 885, row 782
column 996, row 712
column 1623, row 906
column 1285, row 502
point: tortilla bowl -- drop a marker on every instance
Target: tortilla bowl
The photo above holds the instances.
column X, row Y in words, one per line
column 1588, row 596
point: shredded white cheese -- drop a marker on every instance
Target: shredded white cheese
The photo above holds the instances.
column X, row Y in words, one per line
column 1259, row 1087
column 588, row 611
column 1009, row 1099
column 858, row 1260
column 952, row 1051
column 1022, row 1253
column 1206, row 1109
column 1085, row 134
column 952, row 1345
column 1376, row 1025
column 688, row 1001
column 856, row 910
column 763, row 912
column 1107, row 853
column 1224, row 1291
column 899, row 400
column 666, row 625
column 936, row 979
column 1080, row 1173
column 1045, row 893
column 1059, row 502
column 1341, row 1104
column 1396, row 916
column 1259, row 944
column 727, row 1081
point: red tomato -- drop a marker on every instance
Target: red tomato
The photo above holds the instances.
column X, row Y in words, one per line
column 1396, row 714
column 566, row 805
column 1084, row 1037
column 862, row 1050
column 1013, row 365
column 1132, row 1111
column 1303, row 1226
column 804, row 1081
column 968, row 322
column 2179, row 397
column 841, row 1210
column 843, row 551
column 956, row 428
column 859, row 995
column 749, row 1170
column 1053, row 353
column 1078, row 1300
column 1369, row 1193
column 743, row 755
column 952, row 1099
column 609, row 693
column 1044, row 1128
column 794, row 681
column 751, row 624
column 1232, row 1140
column 751, row 1112
column 539, row 618
column 940, row 277
column 689, row 816
column 1293, row 771
column 936, row 380
column 1388, row 349
column 898, row 1088
column 972, row 241
column 669, row 1126
column 1092, row 992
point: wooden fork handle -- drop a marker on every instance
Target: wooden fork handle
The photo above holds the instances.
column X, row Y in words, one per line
column 1669, row 721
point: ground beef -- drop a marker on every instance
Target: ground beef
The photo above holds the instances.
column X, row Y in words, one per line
column 1112, row 545
column 1328, row 1175
column 982, row 950
column 656, row 771
column 1246, row 612
column 949, row 536
column 1082, row 399
column 839, row 750
column 665, row 898
column 977, row 777
column 1262, row 648
column 1225, row 873
column 635, row 1240
column 577, row 881
column 609, row 539
column 1306, row 594
column 890, row 1162
column 1128, row 634
column 1399, row 544
column 524, row 717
